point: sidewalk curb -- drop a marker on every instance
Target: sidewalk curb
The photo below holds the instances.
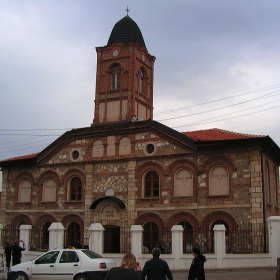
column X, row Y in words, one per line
column 209, row 270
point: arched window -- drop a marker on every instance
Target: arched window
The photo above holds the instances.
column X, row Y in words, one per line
column 218, row 181
column 49, row 190
column 150, row 235
column 73, row 235
column 98, row 148
column 187, row 236
column 183, row 183
column 24, row 194
column 141, row 75
column 115, row 77
column 75, row 189
column 151, row 184
column 125, row 146
column 45, row 236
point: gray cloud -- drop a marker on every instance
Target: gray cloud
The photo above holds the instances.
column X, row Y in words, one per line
column 205, row 50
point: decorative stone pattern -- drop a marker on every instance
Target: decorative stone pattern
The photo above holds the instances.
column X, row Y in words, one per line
column 118, row 183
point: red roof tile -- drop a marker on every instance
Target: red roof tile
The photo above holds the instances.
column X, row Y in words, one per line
column 215, row 134
column 30, row 156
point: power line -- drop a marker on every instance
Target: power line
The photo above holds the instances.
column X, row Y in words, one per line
column 216, row 100
column 229, row 118
column 224, row 107
column 213, row 118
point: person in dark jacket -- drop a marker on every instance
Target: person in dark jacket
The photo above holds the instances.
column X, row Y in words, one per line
column 129, row 270
column 156, row 268
column 16, row 251
column 7, row 252
column 197, row 266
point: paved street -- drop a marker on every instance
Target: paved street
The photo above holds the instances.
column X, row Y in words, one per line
column 266, row 274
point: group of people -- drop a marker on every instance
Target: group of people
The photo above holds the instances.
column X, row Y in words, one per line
column 155, row 268
column 13, row 251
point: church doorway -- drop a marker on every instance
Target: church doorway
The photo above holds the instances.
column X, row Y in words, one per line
column 112, row 239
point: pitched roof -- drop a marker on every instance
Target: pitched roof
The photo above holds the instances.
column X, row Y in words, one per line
column 215, row 134
column 30, row 156
column 126, row 30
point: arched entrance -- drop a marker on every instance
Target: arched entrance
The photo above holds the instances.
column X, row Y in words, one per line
column 109, row 212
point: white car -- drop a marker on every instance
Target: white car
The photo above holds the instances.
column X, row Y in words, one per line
column 77, row 264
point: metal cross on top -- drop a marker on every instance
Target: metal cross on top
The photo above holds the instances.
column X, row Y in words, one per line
column 127, row 10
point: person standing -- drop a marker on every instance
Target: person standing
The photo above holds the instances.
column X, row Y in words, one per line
column 7, row 253
column 16, row 251
column 129, row 270
column 156, row 268
column 196, row 271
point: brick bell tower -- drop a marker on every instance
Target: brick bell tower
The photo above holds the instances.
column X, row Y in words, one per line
column 124, row 76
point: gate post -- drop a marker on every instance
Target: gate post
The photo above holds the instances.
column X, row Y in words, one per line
column 136, row 240
column 96, row 240
column 177, row 244
column 24, row 234
column 220, row 243
column 274, row 238
column 56, row 236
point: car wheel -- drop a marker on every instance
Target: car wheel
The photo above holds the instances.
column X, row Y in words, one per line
column 81, row 277
column 21, row 276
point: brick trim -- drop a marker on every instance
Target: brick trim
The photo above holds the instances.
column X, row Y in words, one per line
column 19, row 219
column 44, row 218
column 150, row 217
column 221, row 160
column 71, row 173
column 211, row 217
column 183, row 216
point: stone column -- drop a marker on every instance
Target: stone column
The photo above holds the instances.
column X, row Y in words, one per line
column 24, row 235
column 136, row 240
column 274, row 238
column 220, row 243
column 96, row 240
column 56, row 236
column 177, row 244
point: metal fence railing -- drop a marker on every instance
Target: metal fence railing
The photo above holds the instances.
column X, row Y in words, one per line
column 248, row 239
column 39, row 240
column 243, row 239
column 201, row 238
column 9, row 234
column 153, row 237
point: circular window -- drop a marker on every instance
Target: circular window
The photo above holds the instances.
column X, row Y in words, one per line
column 150, row 148
column 115, row 52
column 75, row 155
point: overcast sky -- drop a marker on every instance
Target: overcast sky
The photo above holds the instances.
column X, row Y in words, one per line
column 217, row 65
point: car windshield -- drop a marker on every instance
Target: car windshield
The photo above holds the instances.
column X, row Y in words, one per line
column 91, row 254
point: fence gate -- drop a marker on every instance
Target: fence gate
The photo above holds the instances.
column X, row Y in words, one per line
column 111, row 239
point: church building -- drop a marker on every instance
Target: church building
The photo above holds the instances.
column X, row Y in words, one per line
column 127, row 169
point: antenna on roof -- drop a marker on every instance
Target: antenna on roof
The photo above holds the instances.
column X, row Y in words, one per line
column 127, row 10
